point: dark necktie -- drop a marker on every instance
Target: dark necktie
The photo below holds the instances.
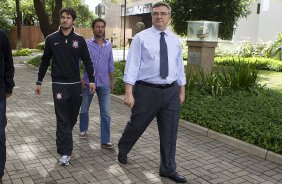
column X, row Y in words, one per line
column 163, row 57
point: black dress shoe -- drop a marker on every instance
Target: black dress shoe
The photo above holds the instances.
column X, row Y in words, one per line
column 176, row 177
column 122, row 159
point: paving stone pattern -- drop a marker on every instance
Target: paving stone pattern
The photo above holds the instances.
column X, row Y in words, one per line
column 32, row 156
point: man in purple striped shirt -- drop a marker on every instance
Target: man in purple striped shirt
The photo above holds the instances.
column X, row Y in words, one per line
column 102, row 58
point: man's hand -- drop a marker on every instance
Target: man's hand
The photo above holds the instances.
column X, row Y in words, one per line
column 128, row 97
column 182, row 94
column 83, row 84
column 92, row 87
column 129, row 100
column 112, row 80
column 37, row 89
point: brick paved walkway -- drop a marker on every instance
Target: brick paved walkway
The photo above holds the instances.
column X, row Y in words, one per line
column 32, row 156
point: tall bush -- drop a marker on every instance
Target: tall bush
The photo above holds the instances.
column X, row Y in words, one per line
column 119, row 84
column 238, row 75
column 235, row 75
column 259, row 62
column 271, row 49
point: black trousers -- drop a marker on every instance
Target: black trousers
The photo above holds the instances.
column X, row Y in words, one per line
column 153, row 102
column 67, row 101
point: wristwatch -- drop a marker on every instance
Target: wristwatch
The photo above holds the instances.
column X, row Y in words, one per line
column 38, row 83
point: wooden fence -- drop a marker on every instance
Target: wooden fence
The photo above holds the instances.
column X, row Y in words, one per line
column 31, row 36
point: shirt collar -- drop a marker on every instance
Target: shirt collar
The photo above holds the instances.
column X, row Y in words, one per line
column 105, row 41
column 157, row 32
column 60, row 31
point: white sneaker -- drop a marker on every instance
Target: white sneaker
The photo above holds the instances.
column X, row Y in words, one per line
column 64, row 160
column 82, row 135
column 108, row 146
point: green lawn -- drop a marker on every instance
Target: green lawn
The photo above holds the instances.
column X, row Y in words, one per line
column 271, row 79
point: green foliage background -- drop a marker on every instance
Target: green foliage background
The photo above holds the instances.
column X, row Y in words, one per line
column 84, row 15
column 6, row 18
column 225, row 11
column 259, row 62
column 8, row 8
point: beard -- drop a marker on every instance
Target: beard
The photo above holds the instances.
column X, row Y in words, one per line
column 66, row 26
column 99, row 35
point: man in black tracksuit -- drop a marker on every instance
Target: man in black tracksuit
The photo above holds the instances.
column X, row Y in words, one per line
column 65, row 48
column 6, row 87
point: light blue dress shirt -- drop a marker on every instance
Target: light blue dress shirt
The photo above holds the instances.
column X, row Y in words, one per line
column 143, row 60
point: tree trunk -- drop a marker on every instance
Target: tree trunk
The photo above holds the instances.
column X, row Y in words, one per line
column 45, row 26
column 55, row 14
column 19, row 25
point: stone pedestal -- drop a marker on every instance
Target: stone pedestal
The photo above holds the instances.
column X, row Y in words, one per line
column 200, row 56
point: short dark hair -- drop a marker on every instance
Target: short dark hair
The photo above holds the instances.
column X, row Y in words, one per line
column 97, row 20
column 158, row 4
column 69, row 11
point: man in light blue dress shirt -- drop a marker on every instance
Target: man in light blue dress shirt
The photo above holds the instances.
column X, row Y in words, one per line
column 151, row 95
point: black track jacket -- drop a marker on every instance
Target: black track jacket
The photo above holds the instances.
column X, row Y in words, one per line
column 66, row 53
column 7, row 69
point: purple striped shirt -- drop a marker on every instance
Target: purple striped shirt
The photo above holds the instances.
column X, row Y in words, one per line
column 103, row 62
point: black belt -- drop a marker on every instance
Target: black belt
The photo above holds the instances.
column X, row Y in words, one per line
column 161, row 86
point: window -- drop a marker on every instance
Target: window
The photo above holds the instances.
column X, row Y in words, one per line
column 258, row 8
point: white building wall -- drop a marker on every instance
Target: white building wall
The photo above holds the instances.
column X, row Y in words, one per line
column 247, row 28
column 263, row 26
column 270, row 22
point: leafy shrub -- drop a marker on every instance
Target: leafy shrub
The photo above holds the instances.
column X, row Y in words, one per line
column 35, row 61
column 40, row 46
column 22, row 52
column 207, row 83
column 184, row 49
column 185, row 54
column 246, row 49
column 249, row 49
column 254, row 118
column 235, row 76
column 278, row 54
column 271, row 49
column 259, row 62
column 223, row 52
column 276, row 49
column 262, row 49
column 119, row 84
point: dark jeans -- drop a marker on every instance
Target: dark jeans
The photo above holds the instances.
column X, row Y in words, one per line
column 67, row 101
column 153, row 102
column 3, row 123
